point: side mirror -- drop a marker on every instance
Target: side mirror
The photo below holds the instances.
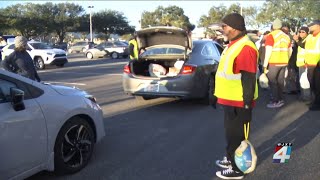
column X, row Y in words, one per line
column 17, row 97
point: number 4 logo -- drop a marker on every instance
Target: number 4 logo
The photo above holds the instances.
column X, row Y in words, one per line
column 282, row 154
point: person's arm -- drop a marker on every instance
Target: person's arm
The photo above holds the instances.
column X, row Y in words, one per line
column 7, row 63
column 268, row 51
column 131, row 50
column 248, row 80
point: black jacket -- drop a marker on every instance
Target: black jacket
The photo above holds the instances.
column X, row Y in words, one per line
column 22, row 64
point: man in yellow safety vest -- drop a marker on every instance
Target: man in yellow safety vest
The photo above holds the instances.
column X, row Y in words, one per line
column 278, row 52
column 312, row 59
column 133, row 48
column 236, row 89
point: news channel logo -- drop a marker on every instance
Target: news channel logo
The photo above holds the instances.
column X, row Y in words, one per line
column 282, row 153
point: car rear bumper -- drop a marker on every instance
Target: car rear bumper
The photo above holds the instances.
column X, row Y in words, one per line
column 182, row 86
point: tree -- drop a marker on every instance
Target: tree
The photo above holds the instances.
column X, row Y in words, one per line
column 169, row 16
column 111, row 22
column 216, row 13
column 295, row 13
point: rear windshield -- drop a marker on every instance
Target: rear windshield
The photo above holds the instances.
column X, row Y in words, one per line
column 157, row 51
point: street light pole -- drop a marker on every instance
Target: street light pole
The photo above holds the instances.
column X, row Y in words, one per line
column 90, row 7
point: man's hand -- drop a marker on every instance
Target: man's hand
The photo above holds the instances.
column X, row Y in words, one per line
column 213, row 102
column 246, row 113
column 265, row 70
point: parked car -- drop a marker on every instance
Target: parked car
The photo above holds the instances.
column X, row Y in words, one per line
column 9, row 39
column 114, row 49
column 80, row 47
column 45, row 127
column 41, row 53
column 63, row 46
column 166, row 46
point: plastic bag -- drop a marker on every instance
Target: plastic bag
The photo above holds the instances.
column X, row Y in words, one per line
column 245, row 156
column 263, row 81
column 157, row 70
column 304, row 82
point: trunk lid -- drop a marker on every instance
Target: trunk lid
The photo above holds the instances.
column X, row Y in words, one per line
column 163, row 35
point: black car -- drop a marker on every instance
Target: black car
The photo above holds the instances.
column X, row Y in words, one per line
column 188, row 74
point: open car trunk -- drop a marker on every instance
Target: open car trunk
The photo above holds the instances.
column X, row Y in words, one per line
column 157, row 68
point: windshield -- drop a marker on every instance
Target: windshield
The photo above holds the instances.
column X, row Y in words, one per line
column 40, row 46
column 165, row 51
column 118, row 43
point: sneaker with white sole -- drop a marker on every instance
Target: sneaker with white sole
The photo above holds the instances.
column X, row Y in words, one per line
column 224, row 163
column 229, row 174
column 276, row 104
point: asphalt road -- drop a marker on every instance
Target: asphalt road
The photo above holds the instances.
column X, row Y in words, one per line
column 169, row 139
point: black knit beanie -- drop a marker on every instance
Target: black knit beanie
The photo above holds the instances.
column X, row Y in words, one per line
column 235, row 21
column 304, row 28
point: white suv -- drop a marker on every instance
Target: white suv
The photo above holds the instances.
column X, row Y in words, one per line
column 41, row 53
column 45, row 127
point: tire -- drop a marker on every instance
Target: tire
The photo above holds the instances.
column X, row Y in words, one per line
column 114, row 55
column 67, row 153
column 39, row 63
column 89, row 55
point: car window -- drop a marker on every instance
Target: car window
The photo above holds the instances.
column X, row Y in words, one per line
column 157, row 51
column 109, row 44
column 101, row 45
column 11, row 46
column 40, row 46
column 5, row 90
column 118, row 43
column 208, row 50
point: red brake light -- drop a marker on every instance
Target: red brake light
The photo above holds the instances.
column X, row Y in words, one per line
column 188, row 69
column 126, row 69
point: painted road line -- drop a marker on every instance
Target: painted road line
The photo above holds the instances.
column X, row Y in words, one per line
column 54, row 82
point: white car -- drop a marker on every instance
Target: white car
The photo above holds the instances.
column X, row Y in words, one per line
column 41, row 53
column 45, row 127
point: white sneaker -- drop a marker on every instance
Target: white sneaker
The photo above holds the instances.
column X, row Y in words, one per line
column 224, row 163
column 229, row 174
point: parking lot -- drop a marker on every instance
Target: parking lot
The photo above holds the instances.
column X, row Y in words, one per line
column 170, row 139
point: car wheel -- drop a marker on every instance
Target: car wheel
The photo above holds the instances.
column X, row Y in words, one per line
column 39, row 63
column 114, row 55
column 89, row 55
column 74, row 146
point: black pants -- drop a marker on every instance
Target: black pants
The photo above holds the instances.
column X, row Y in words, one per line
column 276, row 81
column 314, row 80
column 292, row 80
column 233, row 125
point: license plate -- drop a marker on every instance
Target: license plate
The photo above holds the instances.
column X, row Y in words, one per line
column 152, row 88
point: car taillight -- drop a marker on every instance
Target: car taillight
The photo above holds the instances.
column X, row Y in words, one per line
column 126, row 69
column 188, row 69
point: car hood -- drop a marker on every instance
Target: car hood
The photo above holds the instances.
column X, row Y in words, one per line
column 160, row 35
column 67, row 91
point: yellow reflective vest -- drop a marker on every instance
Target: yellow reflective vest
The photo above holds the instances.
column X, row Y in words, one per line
column 280, row 51
column 300, row 55
column 312, row 50
column 228, row 85
column 135, row 49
